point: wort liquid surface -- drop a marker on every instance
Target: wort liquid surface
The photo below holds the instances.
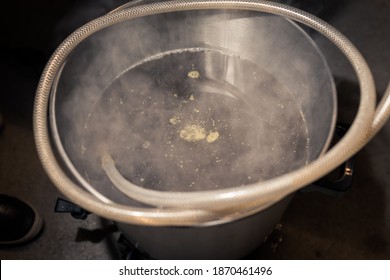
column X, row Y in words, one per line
column 197, row 120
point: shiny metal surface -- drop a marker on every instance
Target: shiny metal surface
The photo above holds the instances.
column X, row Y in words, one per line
column 203, row 27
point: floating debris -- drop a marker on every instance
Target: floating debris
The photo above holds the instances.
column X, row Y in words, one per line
column 174, row 120
column 193, row 133
column 194, row 74
column 212, row 137
column 146, row 145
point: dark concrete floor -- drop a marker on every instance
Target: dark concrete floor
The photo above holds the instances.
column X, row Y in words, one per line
column 355, row 225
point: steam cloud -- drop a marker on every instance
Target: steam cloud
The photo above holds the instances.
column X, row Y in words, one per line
column 141, row 90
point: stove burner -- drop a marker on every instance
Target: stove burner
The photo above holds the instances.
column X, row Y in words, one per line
column 129, row 252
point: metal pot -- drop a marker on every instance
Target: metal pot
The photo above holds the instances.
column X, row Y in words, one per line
column 174, row 121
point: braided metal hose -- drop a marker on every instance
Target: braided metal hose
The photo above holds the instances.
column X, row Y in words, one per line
column 199, row 208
